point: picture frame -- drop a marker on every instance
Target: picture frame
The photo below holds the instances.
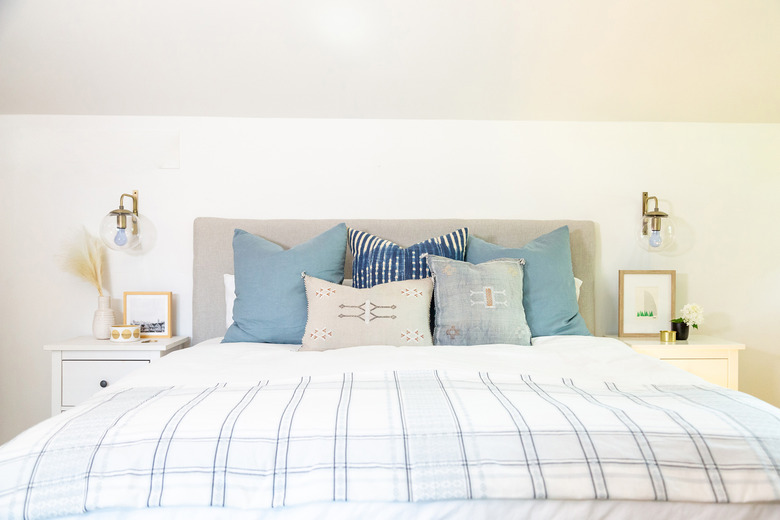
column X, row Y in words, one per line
column 150, row 310
column 646, row 302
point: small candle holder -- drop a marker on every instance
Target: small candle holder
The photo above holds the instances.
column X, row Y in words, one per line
column 668, row 336
column 125, row 333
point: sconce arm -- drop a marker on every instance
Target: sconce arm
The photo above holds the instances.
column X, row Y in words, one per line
column 133, row 196
column 655, row 212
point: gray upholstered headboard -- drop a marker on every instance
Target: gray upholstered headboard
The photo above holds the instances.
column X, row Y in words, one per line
column 213, row 252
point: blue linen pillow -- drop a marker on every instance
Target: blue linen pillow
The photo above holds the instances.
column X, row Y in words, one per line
column 270, row 305
column 549, row 294
column 376, row 260
column 479, row 304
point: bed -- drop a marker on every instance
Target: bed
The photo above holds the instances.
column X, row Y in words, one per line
column 564, row 425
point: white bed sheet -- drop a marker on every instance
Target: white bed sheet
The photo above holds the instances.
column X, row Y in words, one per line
column 578, row 357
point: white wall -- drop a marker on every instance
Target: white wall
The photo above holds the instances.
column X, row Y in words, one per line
column 59, row 173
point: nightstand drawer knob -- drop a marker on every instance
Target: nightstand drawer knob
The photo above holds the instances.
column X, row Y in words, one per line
column 103, row 383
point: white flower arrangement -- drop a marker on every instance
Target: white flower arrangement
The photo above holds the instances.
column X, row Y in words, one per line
column 692, row 315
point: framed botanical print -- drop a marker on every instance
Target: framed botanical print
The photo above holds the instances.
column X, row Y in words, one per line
column 645, row 302
column 150, row 310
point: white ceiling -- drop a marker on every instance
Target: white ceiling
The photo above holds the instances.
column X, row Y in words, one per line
column 597, row 60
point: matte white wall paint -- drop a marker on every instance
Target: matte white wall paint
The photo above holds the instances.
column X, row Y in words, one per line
column 60, row 173
column 600, row 60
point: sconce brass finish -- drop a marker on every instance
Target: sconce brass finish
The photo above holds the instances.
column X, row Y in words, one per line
column 121, row 213
column 652, row 219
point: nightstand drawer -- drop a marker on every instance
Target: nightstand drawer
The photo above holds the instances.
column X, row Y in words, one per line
column 78, row 365
column 82, row 378
column 713, row 359
column 712, row 370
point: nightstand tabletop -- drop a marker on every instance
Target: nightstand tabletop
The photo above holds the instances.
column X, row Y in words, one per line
column 146, row 344
column 694, row 341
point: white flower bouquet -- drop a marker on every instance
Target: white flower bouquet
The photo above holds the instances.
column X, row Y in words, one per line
column 692, row 315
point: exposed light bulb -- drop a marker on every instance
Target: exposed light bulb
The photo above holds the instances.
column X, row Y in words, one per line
column 655, row 239
column 120, row 238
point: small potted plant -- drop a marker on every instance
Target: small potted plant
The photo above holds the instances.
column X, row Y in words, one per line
column 692, row 316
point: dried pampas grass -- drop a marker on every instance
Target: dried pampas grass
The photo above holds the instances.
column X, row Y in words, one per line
column 84, row 258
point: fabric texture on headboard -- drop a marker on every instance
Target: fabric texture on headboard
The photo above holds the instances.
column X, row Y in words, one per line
column 213, row 252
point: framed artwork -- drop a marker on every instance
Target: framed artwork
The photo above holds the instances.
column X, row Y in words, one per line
column 645, row 302
column 150, row 310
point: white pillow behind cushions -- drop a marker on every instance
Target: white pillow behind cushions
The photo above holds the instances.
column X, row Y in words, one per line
column 394, row 313
column 230, row 298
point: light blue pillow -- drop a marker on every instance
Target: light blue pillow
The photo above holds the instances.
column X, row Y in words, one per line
column 479, row 304
column 376, row 260
column 270, row 305
column 549, row 294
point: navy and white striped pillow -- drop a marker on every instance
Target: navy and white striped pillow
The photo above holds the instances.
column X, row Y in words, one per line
column 376, row 260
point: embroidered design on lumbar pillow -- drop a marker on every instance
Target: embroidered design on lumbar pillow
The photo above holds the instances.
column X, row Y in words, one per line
column 414, row 335
column 321, row 334
column 369, row 311
column 324, row 292
column 412, row 292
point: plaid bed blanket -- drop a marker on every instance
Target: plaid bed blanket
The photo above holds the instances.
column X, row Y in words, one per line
column 396, row 436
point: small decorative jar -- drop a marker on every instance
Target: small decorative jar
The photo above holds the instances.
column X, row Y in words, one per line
column 103, row 319
column 125, row 333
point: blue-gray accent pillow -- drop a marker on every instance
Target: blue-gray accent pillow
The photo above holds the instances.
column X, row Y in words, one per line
column 376, row 260
column 479, row 304
column 549, row 294
column 270, row 305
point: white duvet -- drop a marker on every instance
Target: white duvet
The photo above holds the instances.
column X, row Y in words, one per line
column 572, row 367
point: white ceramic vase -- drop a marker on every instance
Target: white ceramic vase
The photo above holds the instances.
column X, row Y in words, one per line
column 104, row 318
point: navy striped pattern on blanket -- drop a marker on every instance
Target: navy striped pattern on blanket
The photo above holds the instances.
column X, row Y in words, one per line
column 396, row 436
column 376, row 260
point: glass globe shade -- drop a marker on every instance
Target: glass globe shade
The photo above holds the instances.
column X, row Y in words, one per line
column 658, row 239
column 117, row 230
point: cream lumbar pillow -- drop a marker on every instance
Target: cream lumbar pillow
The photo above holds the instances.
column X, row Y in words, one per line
column 394, row 313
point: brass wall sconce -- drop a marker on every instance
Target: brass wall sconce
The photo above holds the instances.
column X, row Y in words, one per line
column 121, row 228
column 657, row 228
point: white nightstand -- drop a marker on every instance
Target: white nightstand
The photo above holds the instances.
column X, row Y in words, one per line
column 713, row 359
column 81, row 366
